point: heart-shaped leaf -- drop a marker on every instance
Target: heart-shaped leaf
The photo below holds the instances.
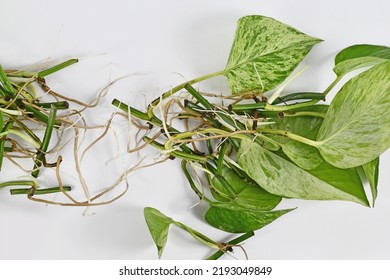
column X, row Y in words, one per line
column 356, row 128
column 237, row 219
column 158, row 225
column 359, row 56
column 264, row 53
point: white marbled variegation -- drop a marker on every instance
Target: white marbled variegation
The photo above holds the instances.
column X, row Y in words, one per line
column 356, row 128
column 264, row 53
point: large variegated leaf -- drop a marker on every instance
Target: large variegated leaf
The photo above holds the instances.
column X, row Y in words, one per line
column 279, row 176
column 358, row 56
column 356, row 128
column 264, row 52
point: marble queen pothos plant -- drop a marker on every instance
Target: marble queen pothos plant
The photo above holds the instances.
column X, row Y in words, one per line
column 252, row 147
column 259, row 145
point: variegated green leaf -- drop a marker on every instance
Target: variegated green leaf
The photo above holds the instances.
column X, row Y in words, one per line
column 264, row 53
column 279, row 176
column 356, row 128
column 359, row 56
column 371, row 170
column 236, row 219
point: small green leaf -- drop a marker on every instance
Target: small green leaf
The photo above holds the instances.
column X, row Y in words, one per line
column 281, row 177
column 158, row 225
column 264, row 53
column 356, row 128
column 238, row 219
column 371, row 170
column 248, row 194
column 359, row 56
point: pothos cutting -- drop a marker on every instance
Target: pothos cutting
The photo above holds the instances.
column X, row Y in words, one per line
column 244, row 151
column 257, row 145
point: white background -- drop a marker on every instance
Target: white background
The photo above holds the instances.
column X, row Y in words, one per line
column 161, row 38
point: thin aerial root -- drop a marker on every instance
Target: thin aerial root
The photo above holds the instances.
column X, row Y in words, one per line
column 107, row 127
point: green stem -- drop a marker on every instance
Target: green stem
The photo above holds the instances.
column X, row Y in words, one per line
column 196, row 108
column 280, row 108
column 191, row 182
column 209, row 146
column 19, row 183
column 155, row 102
column 60, row 105
column 142, row 116
column 291, row 136
column 38, row 114
column 270, row 107
column 283, row 114
column 221, row 155
column 175, row 153
column 224, row 119
column 299, row 96
column 6, row 128
column 189, row 134
column 247, row 107
column 21, row 74
column 135, row 112
column 235, row 241
column 198, row 236
column 7, row 150
column 2, row 142
column 332, row 85
column 154, row 143
column 199, row 97
column 18, row 105
column 6, row 83
column 40, row 191
column 57, row 67
column 201, row 112
column 303, row 113
column 45, row 142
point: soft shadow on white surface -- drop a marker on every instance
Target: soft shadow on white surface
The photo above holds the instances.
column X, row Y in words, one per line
column 160, row 38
